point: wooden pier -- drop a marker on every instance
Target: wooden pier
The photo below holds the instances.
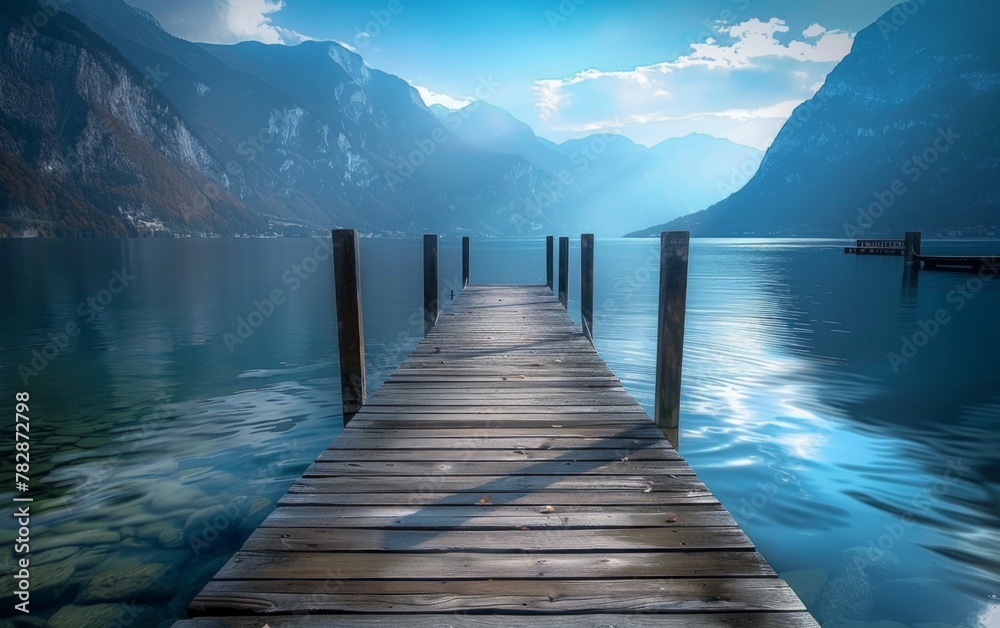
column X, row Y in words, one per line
column 877, row 247
column 502, row 476
column 909, row 248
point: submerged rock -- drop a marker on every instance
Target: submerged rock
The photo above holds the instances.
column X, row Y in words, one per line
column 127, row 614
column 171, row 497
column 848, row 595
column 216, row 526
column 48, row 582
column 55, row 555
column 914, row 600
column 807, row 583
column 142, row 583
column 83, row 538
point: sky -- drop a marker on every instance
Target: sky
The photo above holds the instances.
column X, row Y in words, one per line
column 649, row 70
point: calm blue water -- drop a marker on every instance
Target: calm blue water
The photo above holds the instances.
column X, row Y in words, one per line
column 160, row 438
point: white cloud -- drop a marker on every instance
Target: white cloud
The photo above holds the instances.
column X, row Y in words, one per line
column 814, row 31
column 433, row 98
column 250, row 20
column 754, row 40
column 707, row 82
column 779, row 111
column 223, row 21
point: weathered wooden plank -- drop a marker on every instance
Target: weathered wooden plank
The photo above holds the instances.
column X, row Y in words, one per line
column 466, row 565
column 566, row 467
column 523, row 596
column 536, row 438
column 584, row 540
column 483, row 433
column 492, row 455
column 693, row 619
column 427, row 518
column 487, row 484
column 476, row 444
column 536, row 498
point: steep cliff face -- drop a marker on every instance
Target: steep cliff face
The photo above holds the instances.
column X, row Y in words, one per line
column 313, row 138
column 902, row 136
column 385, row 151
column 87, row 147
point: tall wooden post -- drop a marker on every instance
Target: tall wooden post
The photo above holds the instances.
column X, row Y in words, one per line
column 587, row 285
column 911, row 257
column 465, row 262
column 431, row 291
column 350, row 322
column 564, row 271
column 549, row 262
column 674, row 247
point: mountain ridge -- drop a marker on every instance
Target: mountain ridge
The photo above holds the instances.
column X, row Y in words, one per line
column 901, row 137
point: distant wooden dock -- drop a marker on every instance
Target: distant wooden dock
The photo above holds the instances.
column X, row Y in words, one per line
column 877, row 247
column 502, row 476
column 910, row 247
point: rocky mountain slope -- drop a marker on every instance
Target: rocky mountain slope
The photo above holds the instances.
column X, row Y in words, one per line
column 89, row 147
column 903, row 136
column 243, row 139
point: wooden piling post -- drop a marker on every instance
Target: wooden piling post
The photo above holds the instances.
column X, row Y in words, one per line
column 912, row 253
column 564, row 271
column 549, row 262
column 350, row 322
column 587, row 285
column 465, row 262
column 431, row 290
column 674, row 246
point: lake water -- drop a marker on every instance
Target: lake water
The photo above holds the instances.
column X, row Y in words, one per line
column 160, row 437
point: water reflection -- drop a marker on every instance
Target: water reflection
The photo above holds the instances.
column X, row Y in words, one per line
column 872, row 487
column 787, row 382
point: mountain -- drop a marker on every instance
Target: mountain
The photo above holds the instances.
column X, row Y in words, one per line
column 615, row 184
column 88, row 147
column 287, row 139
column 492, row 128
column 903, row 136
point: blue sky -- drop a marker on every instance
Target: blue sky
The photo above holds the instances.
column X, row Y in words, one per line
column 647, row 70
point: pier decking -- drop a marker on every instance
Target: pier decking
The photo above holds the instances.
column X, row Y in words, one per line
column 500, row 477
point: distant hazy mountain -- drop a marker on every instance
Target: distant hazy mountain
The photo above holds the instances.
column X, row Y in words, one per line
column 493, row 129
column 903, row 136
column 620, row 185
column 88, row 147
